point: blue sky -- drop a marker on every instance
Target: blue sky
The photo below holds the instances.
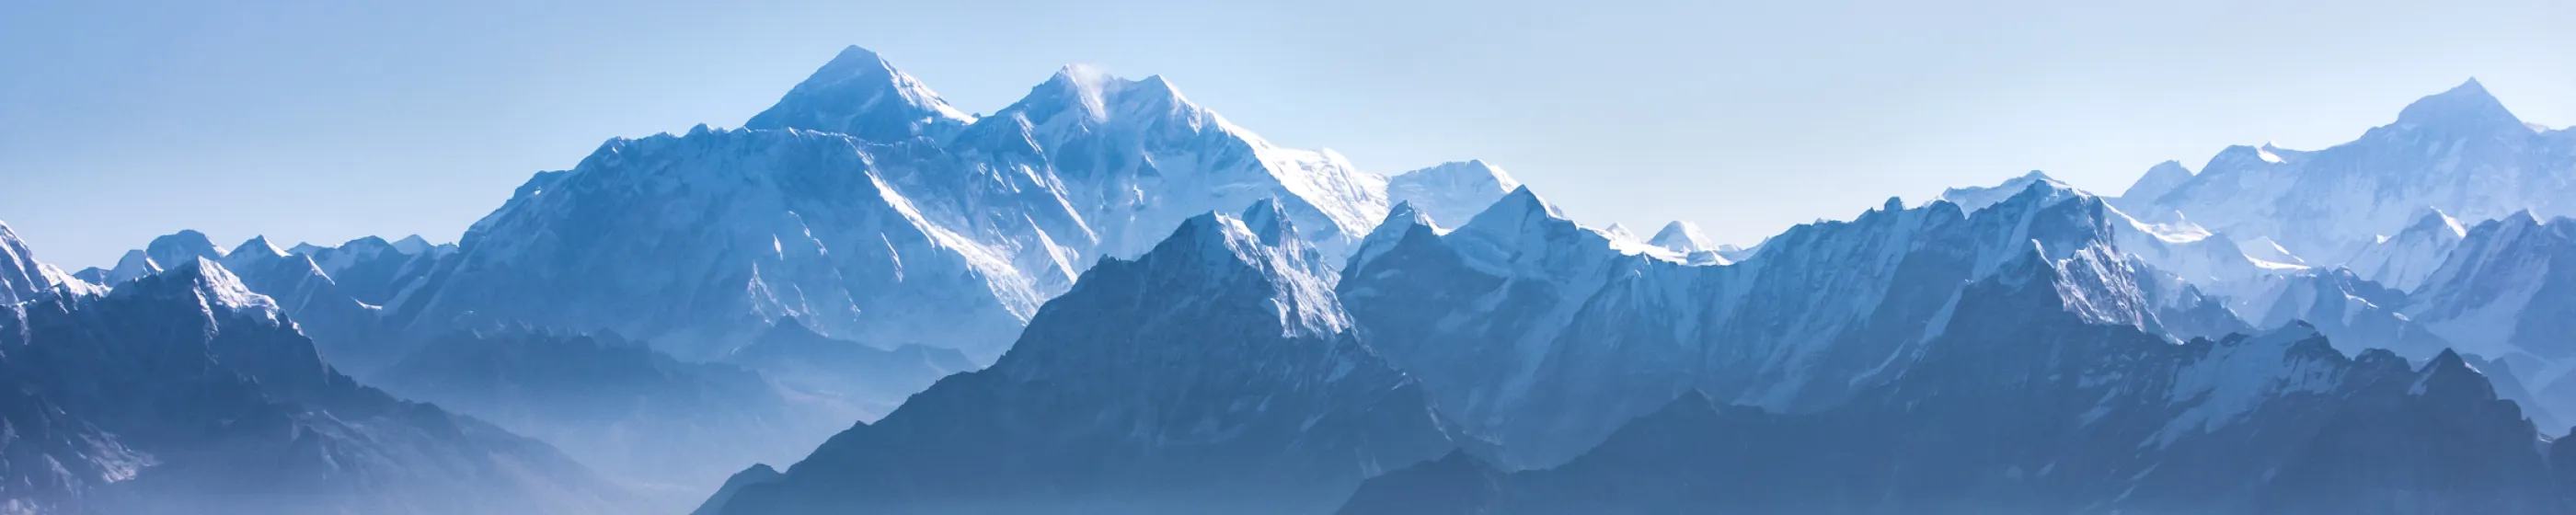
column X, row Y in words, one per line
column 327, row 120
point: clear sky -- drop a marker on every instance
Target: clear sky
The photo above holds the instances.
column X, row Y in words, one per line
column 325, row 120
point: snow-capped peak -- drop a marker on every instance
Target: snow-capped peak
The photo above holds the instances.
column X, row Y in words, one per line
column 2403, row 260
column 256, row 250
column 1264, row 243
column 1451, row 192
column 171, row 250
column 858, row 93
column 1619, row 231
column 134, row 265
column 1973, row 198
column 1266, row 220
column 2242, row 157
column 23, row 278
column 258, row 245
column 213, row 286
column 2468, row 106
column 1093, row 97
column 2160, row 179
column 1401, row 219
column 1520, row 204
column 1683, row 237
column 2435, row 219
column 2240, row 372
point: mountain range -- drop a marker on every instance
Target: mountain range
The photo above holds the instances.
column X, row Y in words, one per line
column 867, row 209
column 184, row 392
column 1104, row 298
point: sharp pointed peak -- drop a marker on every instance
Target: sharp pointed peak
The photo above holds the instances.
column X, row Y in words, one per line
column 1523, row 201
column 1404, row 210
column 2468, row 105
column 1400, row 220
column 1619, row 231
column 2160, row 179
column 205, row 279
column 853, row 62
column 2447, row 362
column 2522, row 216
column 1082, row 74
column 855, row 54
column 256, row 246
column 1680, row 236
column 413, row 244
column 1268, row 220
column 1523, row 195
column 1976, row 198
column 137, row 257
column 2432, row 218
column 1216, row 228
column 858, row 93
column 2469, row 87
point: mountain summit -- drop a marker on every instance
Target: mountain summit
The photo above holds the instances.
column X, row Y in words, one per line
column 1214, row 374
column 2465, row 107
column 869, row 211
column 860, row 94
column 2459, row 151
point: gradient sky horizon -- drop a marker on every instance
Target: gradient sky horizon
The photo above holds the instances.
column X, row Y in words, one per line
column 324, row 121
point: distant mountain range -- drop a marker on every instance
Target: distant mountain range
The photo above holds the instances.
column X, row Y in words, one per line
column 184, row 392
column 1180, row 317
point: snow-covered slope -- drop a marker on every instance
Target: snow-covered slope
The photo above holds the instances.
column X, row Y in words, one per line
column 2459, row 152
column 1683, row 237
column 163, row 253
column 697, row 242
column 868, row 210
column 2159, row 180
column 184, row 392
column 373, row 270
column 1685, row 240
column 2020, row 401
column 1546, row 335
column 1214, row 374
column 861, row 95
column 2356, row 313
column 1973, row 198
column 23, row 278
column 339, row 322
column 2025, row 409
column 1452, row 192
column 1132, row 158
column 2508, row 291
column 2404, row 260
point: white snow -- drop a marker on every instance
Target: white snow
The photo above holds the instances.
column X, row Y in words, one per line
column 2235, row 378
